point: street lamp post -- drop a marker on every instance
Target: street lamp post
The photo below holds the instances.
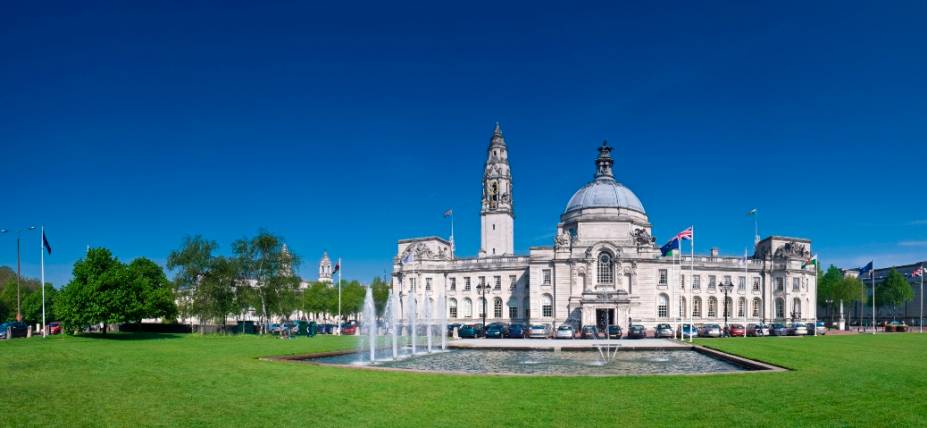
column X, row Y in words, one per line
column 19, row 313
column 726, row 287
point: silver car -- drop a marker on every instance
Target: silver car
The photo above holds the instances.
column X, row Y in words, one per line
column 798, row 329
column 565, row 332
column 663, row 330
column 538, row 331
column 710, row 330
column 758, row 330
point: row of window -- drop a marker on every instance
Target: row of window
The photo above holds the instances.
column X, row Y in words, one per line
column 467, row 285
column 466, row 308
column 663, row 310
column 712, row 281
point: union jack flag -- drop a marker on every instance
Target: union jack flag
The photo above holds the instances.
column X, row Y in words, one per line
column 685, row 234
column 918, row 272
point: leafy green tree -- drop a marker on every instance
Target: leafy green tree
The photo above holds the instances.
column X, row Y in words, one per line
column 848, row 290
column 32, row 305
column 319, row 299
column 894, row 291
column 100, row 291
column 380, row 294
column 268, row 268
column 352, row 299
column 155, row 293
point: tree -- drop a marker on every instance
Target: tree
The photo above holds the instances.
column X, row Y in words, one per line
column 155, row 293
column 268, row 267
column 210, row 287
column 894, row 291
column 32, row 305
column 380, row 294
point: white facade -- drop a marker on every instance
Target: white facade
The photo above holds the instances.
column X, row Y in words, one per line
column 603, row 266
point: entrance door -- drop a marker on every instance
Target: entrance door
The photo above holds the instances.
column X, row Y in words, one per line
column 604, row 318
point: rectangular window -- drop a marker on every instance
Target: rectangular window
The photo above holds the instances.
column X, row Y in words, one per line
column 453, row 310
column 548, row 311
column 546, row 274
column 727, row 280
column 663, row 277
column 796, row 284
column 696, row 282
column 428, row 284
column 742, row 283
column 756, row 284
column 662, row 310
column 467, row 283
column 453, row 284
column 497, row 308
column 497, row 285
column 756, row 308
column 780, row 284
column 712, row 282
column 513, row 312
column 512, row 281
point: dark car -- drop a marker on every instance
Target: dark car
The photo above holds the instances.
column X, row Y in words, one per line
column 496, row 330
column 517, row 331
column 614, row 332
column 470, row 331
column 451, row 327
column 54, row 327
column 590, row 332
column 637, row 331
column 16, row 328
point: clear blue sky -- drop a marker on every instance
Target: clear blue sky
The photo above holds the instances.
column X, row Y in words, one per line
column 130, row 125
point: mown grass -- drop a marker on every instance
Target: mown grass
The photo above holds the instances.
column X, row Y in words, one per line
column 189, row 380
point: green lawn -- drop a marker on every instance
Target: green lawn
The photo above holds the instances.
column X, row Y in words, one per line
column 191, row 380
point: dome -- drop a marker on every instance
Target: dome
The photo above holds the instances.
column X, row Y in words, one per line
column 604, row 192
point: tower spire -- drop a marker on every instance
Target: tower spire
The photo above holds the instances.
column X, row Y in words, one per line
column 603, row 163
column 497, row 211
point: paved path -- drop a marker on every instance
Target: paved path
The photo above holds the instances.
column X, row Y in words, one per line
column 566, row 343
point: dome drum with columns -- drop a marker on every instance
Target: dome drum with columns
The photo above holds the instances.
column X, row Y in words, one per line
column 604, row 266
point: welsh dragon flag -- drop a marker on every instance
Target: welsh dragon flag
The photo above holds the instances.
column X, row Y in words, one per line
column 810, row 262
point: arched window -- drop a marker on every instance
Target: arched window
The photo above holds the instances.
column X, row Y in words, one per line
column 513, row 309
column 481, row 307
column 697, row 307
column 741, row 307
column 606, row 271
column 467, row 308
column 780, row 308
column 682, row 307
column 756, row 307
column 728, row 306
column 796, row 308
column 497, row 308
column 547, row 306
column 452, row 308
column 663, row 306
column 712, row 307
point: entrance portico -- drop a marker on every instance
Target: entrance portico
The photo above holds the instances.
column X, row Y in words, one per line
column 603, row 308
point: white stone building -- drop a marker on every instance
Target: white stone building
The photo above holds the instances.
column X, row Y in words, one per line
column 603, row 266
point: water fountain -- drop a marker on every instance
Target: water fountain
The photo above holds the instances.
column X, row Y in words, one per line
column 370, row 319
column 443, row 318
column 427, row 320
column 392, row 314
column 411, row 314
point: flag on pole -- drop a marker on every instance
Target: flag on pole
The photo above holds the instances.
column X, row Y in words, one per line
column 337, row 267
column 918, row 272
column 810, row 262
column 865, row 270
column 670, row 247
column 685, row 234
column 448, row 213
column 752, row 212
column 45, row 242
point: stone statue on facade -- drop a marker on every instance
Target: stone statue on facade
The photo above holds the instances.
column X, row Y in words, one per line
column 792, row 250
column 562, row 240
column 642, row 238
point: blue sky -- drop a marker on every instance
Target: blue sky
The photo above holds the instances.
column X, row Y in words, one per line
column 130, row 125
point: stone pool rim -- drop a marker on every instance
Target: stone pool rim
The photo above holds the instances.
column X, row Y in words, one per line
column 747, row 365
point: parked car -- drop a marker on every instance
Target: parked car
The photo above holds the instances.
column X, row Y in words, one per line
column 538, row 331
column 798, row 329
column 517, row 331
column 496, row 330
column 736, row 330
column 637, row 331
column 778, row 329
column 688, row 329
column 470, row 331
column 758, row 330
column 710, row 330
column 821, row 328
column 663, row 330
column 17, row 329
column 565, row 331
column 614, row 332
column 54, row 327
column 590, row 332
column 348, row 329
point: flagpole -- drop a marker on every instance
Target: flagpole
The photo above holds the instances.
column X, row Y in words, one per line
column 42, row 284
column 691, row 279
column 746, row 295
column 452, row 233
column 340, row 268
column 872, row 275
column 922, row 298
column 817, row 262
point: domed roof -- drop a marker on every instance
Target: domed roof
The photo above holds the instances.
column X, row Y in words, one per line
column 604, row 193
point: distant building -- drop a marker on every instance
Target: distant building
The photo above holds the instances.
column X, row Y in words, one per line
column 604, row 266
column 325, row 268
column 909, row 313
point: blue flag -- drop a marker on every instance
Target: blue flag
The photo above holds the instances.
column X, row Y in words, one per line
column 673, row 244
column 865, row 270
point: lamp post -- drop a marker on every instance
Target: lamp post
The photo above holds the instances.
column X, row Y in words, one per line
column 830, row 313
column 19, row 314
column 726, row 287
column 482, row 288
